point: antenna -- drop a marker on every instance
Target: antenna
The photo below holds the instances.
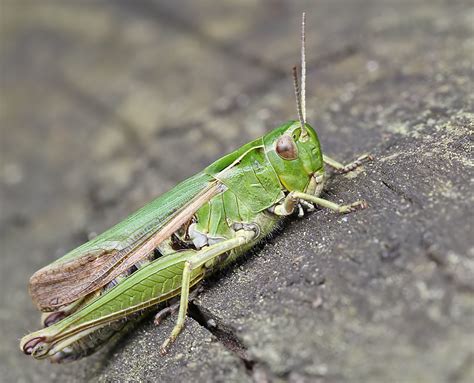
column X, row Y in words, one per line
column 303, row 68
column 298, row 97
column 301, row 93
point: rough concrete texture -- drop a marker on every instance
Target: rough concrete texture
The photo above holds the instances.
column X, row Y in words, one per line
column 105, row 105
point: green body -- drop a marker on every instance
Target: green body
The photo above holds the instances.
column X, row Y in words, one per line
column 253, row 180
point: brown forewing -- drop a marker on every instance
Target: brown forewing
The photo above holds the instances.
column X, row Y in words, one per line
column 60, row 284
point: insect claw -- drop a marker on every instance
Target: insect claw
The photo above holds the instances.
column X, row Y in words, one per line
column 361, row 204
column 32, row 344
column 163, row 351
column 165, row 346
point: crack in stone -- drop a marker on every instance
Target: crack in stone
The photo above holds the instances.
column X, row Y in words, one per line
column 224, row 333
column 397, row 191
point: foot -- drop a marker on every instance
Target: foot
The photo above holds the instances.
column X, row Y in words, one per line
column 170, row 340
column 358, row 205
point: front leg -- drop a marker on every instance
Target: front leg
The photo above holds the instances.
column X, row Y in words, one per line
column 287, row 206
column 330, row 205
column 341, row 168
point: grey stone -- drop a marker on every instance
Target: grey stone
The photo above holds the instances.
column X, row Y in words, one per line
column 106, row 105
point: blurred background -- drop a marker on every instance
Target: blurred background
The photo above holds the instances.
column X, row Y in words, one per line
column 105, row 105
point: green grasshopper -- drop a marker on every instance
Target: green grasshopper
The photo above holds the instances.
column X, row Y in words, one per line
column 166, row 248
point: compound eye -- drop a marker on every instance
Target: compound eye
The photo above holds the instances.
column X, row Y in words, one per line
column 286, row 148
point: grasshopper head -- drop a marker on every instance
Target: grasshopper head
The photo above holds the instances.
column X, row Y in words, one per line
column 293, row 149
column 295, row 154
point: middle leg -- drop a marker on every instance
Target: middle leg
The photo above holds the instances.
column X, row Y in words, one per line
column 203, row 258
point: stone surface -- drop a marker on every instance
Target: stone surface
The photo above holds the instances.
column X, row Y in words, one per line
column 106, row 105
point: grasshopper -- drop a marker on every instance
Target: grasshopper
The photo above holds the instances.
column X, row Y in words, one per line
column 166, row 248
